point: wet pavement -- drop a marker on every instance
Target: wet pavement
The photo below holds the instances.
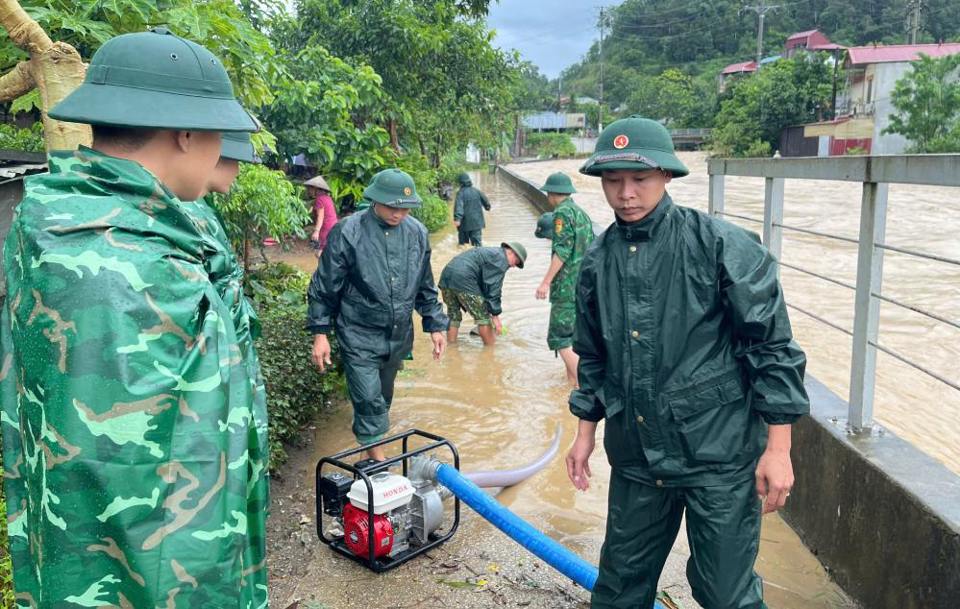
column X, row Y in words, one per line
column 501, row 406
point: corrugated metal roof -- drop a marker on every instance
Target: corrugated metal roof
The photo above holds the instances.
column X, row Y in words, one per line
column 740, row 68
column 12, row 171
column 899, row 52
column 799, row 35
column 555, row 120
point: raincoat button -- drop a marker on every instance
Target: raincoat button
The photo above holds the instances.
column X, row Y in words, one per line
column 660, row 483
column 633, row 248
column 640, row 419
column 635, row 334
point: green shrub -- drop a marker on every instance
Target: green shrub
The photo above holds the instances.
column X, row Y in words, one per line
column 435, row 213
column 7, row 600
column 550, row 145
column 27, row 140
column 296, row 391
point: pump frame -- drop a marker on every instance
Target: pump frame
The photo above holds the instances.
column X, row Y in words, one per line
column 379, row 565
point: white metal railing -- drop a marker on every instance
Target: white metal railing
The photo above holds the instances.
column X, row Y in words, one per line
column 875, row 173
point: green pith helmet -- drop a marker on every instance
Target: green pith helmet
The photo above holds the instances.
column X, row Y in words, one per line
column 544, row 226
column 634, row 143
column 236, row 145
column 155, row 80
column 559, row 183
column 393, row 188
column 464, row 179
column 518, row 249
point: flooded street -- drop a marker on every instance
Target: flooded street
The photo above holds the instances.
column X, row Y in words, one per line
column 927, row 219
column 501, row 406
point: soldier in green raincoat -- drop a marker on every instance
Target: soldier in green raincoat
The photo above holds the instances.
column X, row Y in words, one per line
column 544, row 228
column 572, row 234
column 468, row 212
column 374, row 272
column 133, row 418
column 686, row 353
column 473, row 282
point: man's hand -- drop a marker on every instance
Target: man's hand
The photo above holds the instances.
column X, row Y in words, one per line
column 315, row 235
column 543, row 291
column 578, row 457
column 321, row 352
column 497, row 326
column 456, row 223
column 775, row 470
column 439, row 344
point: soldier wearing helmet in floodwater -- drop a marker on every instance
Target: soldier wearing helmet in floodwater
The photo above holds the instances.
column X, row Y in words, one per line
column 686, row 354
column 135, row 437
column 373, row 274
column 468, row 212
column 572, row 234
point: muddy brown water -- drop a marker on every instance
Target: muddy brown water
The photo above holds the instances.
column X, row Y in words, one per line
column 921, row 218
column 501, row 406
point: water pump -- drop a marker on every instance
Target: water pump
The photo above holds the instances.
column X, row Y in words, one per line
column 381, row 517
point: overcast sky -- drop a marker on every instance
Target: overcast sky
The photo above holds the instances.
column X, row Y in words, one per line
column 551, row 33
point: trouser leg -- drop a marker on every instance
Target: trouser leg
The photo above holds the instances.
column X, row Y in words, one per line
column 642, row 524
column 476, row 238
column 723, row 527
column 371, row 392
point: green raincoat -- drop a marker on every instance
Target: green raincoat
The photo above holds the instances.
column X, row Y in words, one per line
column 368, row 282
column 468, row 210
column 134, row 419
column 478, row 271
column 686, row 352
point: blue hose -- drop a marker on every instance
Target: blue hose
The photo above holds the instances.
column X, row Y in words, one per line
column 551, row 552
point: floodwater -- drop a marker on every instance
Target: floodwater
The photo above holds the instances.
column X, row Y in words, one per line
column 919, row 218
column 501, row 406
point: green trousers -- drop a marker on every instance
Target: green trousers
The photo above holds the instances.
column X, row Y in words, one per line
column 371, row 391
column 723, row 528
column 473, row 237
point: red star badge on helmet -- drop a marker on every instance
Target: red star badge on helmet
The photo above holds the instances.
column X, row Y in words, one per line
column 620, row 142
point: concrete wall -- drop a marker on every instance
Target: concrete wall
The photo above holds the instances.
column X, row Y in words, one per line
column 882, row 516
column 885, row 77
column 528, row 189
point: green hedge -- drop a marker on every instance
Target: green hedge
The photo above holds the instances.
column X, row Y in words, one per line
column 435, row 213
column 550, row 145
column 296, row 391
column 7, row 601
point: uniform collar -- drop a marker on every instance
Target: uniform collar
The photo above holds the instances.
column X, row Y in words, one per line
column 112, row 174
column 645, row 229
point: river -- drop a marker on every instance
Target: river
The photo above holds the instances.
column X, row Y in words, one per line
column 500, row 406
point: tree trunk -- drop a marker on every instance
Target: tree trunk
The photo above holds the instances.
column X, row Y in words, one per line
column 54, row 69
column 394, row 138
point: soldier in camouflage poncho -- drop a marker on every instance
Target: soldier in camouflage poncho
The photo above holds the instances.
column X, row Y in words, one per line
column 134, row 418
column 572, row 234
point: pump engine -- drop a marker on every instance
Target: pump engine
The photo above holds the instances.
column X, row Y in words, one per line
column 377, row 516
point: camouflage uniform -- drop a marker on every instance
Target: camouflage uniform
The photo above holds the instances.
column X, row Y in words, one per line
column 572, row 234
column 134, row 419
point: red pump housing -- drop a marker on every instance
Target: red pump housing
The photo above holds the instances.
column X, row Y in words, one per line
column 356, row 530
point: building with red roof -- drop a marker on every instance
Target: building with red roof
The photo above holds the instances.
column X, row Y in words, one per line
column 811, row 40
column 872, row 73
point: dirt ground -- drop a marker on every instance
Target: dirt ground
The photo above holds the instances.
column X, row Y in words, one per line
column 478, row 568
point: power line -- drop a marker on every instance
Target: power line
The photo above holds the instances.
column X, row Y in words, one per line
column 761, row 9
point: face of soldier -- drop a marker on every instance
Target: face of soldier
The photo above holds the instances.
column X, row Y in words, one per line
column 556, row 198
column 224, row 175
column 634, row 194
column 512, row 258
column 391, row 215
column 194, row 158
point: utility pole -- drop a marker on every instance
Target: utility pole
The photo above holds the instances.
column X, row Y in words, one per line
column 917, row 6
column 559, row 101
column 761, row 10
column 600, row 107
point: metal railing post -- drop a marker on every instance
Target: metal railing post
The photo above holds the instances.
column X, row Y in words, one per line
column 866, row 321
column 715, row 203
column 773, row 216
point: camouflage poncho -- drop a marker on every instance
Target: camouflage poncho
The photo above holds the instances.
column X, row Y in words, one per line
column 134, row 420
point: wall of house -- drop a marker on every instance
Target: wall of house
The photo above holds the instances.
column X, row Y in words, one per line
column 885, row 78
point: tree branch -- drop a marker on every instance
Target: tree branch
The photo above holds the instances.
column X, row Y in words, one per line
column 18, row 81
column 22, row 29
